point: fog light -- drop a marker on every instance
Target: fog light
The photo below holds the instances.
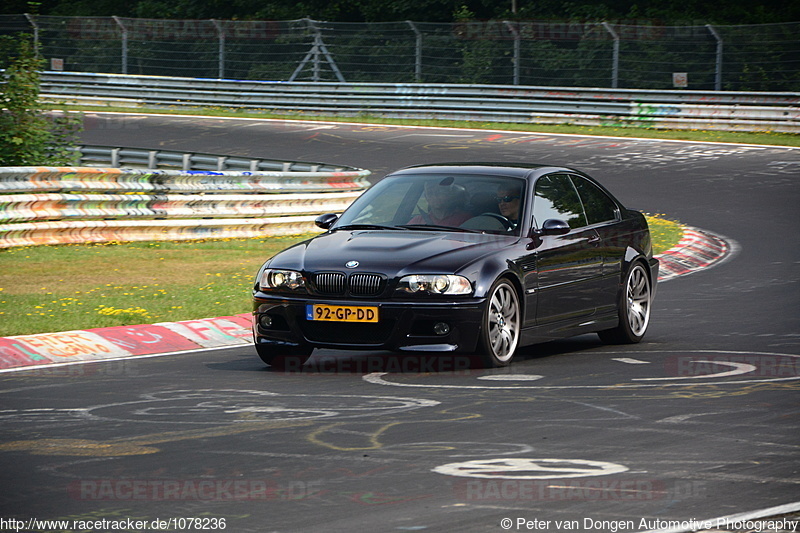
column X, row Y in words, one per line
column 441, row 328
column 265, row 321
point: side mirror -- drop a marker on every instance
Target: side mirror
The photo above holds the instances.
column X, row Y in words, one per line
column 326, row 221
column 551, row 226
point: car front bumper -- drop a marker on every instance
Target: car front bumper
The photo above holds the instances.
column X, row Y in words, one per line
column 401, row 326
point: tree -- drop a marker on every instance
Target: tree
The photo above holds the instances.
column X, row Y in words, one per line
column 27, row 135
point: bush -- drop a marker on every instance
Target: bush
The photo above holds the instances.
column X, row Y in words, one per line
column 27, row 135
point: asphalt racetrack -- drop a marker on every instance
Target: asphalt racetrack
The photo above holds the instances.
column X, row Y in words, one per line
column 699, row 421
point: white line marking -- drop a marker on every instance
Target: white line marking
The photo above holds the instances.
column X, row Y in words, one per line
column 739, row 517
column 522, row 468
column 377, row 378
column 511, row 377
column 630, row 361
column 738, row 368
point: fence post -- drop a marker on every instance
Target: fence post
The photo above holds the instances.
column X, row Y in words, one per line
column 124, row 44
column 718, row 75
column 35, row 33
column 418, row 52
column 221, row 59
column 615, row 59
column 516, row 59
column 316, row 49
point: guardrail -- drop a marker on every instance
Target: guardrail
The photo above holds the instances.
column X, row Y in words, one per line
column 59, row 205
column 107, row 156
column 679, row 109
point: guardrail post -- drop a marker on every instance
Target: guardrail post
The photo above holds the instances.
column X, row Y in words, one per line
column 221, row 37
column 187, row 162
column 115, row 157
column 615, row 58
column 418, row 52
column 718, row 70
column 152, row 159
column 516, row 59
column 124, row 44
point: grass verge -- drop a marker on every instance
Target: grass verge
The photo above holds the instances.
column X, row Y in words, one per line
column 82, row 286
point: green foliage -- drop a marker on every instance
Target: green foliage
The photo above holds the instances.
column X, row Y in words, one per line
column 667, row 12
column 27, row 136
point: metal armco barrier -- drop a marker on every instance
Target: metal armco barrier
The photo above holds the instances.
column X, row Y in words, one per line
column 106, row 156
column 676, row 109
column 59, row 205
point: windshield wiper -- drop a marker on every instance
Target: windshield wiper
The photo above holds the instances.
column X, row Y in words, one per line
column 436, row 227
column 368, row 226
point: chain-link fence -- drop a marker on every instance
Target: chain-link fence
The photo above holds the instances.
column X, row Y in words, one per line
column 541, row 53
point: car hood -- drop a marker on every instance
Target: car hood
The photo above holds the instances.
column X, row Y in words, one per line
column 390, row 252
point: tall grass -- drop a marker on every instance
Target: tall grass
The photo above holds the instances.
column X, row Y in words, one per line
column 82, row 286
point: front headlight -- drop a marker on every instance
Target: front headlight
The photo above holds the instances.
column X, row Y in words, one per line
column 281, row 280
column 435, row 284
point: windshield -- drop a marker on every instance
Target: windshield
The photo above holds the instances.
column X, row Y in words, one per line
column 488, row 204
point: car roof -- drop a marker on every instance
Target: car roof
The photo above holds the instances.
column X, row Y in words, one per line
column 520, row 170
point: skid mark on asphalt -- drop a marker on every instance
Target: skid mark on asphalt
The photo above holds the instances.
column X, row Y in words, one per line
column 223, row 412
column 326, row 435
column 316, row 437
column 141, row 445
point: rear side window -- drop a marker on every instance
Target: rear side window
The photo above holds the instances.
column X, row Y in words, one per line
column 598, row 206
column 556, row 197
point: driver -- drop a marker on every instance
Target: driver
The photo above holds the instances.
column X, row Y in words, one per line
column 508, row 202
column 445, row 205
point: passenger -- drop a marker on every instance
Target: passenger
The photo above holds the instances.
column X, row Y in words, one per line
column 446, row 203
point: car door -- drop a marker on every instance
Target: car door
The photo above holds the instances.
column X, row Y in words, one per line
column 603, row 215
column 569, row 267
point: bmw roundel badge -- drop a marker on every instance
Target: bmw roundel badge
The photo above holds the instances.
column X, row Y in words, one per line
column 351, row 264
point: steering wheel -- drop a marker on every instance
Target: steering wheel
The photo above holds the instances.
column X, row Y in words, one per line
column 507, row 224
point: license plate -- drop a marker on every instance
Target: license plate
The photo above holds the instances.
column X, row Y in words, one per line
column 341, row 313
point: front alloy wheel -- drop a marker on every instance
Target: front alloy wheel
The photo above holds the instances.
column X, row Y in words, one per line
column 502, row 318
column 634, row 308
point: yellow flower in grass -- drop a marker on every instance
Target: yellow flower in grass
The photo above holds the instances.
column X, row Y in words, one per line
column 128, row 312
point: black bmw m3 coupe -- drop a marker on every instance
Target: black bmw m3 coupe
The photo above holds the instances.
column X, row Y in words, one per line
column 469, row 258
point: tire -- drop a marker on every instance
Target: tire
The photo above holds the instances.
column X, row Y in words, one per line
column 285, row 357
column 636, row 299
column 500, row 325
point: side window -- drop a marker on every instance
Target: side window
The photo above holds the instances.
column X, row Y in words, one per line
column 598, row 206
column 555, row 197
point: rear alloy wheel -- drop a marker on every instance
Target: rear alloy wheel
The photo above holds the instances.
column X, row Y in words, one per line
column 634, row 308
column 290, row 358
column 502, row 318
